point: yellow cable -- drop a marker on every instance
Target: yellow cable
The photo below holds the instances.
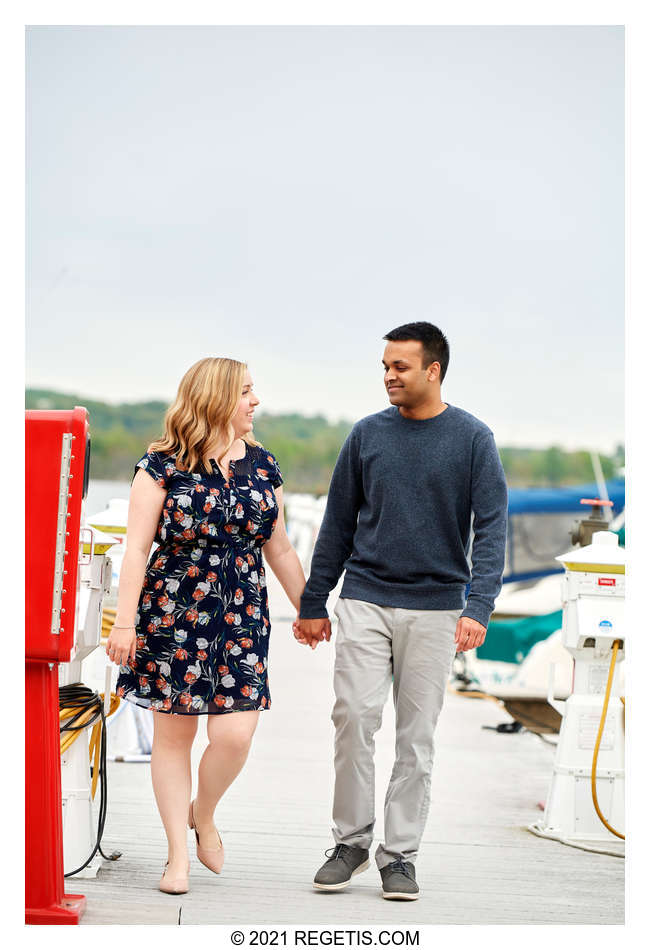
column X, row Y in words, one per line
column 68, row 738
column 594, row 764
column 108, row 619
column 95, row 740
column 94, row 744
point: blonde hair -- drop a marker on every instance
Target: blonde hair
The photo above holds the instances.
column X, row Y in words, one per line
column 207, row 399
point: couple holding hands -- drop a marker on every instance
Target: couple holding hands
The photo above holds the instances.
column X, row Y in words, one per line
column 192, row 629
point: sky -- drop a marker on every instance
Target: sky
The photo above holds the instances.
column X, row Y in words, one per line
column 287, row 195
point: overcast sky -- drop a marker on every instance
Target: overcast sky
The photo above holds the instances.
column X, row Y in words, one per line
column 287, row 195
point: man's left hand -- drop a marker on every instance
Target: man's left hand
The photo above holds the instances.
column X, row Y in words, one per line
column 469, row 634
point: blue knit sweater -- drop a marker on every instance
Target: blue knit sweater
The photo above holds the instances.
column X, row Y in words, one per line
column 399, row 512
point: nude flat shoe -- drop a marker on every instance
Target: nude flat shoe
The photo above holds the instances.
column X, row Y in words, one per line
column 212, row 858
column 178, row 885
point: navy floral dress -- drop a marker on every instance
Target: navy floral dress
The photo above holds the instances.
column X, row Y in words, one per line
column 202, row 624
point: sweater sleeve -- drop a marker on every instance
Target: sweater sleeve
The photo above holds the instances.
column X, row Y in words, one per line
column 490, row 507
column 335, row 538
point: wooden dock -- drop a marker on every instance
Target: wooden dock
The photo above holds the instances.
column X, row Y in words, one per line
column 478, row 863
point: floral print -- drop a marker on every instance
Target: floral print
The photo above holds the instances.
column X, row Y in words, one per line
column 202, row 624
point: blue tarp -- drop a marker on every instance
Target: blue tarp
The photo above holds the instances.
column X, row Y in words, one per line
column 523, row 501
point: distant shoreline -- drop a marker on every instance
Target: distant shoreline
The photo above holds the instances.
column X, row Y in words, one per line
column 306, row 447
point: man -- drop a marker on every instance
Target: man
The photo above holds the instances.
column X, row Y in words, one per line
column 397, row 519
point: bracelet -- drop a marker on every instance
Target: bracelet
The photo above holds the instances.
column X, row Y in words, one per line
column 130, row 627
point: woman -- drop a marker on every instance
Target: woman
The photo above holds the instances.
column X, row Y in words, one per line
column 192, row 627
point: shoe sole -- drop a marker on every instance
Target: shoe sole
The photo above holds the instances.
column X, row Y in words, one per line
column 399, row 896
column 343, row 884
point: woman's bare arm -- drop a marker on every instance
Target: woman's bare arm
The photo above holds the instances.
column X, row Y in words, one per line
column 282, row 559
column 145, row 506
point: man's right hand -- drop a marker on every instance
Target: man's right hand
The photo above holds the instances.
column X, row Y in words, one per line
column 312, row 632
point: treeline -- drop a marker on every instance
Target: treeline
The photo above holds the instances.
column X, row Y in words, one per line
column 306, row 446
column 553, row 466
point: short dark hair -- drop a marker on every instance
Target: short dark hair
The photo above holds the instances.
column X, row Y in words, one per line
column 435, row 347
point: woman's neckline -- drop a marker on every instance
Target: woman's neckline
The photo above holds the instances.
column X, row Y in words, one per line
column 247, row 447
column 232, row 460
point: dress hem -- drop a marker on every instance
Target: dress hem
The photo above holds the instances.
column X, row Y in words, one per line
column 221, row 710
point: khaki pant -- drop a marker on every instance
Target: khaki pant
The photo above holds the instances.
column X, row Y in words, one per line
column 416, row 648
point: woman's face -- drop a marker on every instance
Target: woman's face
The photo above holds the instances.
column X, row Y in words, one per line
column 243, row 419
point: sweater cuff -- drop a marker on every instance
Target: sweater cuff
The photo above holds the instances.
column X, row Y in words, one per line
column 477, row 610
column 313, row 608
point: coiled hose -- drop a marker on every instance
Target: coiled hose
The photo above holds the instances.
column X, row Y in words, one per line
column 79, row 708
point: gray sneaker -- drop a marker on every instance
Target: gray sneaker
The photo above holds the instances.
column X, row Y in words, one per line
column 398, row 881
column 341, row 865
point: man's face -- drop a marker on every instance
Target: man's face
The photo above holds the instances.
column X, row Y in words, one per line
column 405, row 378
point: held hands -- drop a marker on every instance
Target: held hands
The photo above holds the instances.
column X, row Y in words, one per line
column 469, row 634
column 121, row 645
column 311, row 632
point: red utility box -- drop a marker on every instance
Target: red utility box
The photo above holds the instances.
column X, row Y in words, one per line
column 57, row 447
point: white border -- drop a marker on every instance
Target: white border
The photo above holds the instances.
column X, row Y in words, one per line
column 407, row 12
